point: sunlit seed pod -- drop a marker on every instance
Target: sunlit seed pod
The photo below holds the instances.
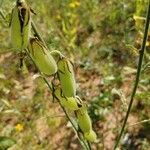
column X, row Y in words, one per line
column 90, row 136
column 69, row 103
column 42, row 57
column 84, row 120
column 20, row 25
column 66, row 77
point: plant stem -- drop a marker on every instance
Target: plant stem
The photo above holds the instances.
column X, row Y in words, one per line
column 2, row 15
column 139, row 123
column 137, row 75
column 37, row 33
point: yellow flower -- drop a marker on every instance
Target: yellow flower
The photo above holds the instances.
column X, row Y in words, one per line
column 74, row 4
column 77, row 3
column 58, row 17
column 19, row 127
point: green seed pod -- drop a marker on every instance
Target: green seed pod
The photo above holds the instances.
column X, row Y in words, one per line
column 84, row 121
column 69, row 103
column 90, row 136
column 42, row 57
column 20, row 25
column 66, row 77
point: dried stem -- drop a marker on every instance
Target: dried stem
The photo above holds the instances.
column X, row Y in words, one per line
column 138, row 123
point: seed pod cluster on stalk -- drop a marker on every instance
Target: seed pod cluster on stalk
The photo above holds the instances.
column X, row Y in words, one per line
column 65, row 91
column 76, row 105
column 20, row 25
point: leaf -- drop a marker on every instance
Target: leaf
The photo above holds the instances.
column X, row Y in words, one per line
column 6, row 142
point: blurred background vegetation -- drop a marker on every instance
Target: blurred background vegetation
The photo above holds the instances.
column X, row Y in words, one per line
column 103, row 39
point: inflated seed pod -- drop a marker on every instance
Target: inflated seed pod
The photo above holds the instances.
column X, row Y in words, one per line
column 84, row 120
column 69, row 103
column 42, row 57
column 66, row 77
column 90, row 136
column 20, row 25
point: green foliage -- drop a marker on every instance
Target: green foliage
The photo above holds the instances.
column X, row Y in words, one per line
column 6, row 142
column 100, row 106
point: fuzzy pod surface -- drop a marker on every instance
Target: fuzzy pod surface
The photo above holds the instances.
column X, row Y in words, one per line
column 90, row 136
column 20, row 25
column 42, row 57
column 67, row 77
column 84, row 120
column 70, row 103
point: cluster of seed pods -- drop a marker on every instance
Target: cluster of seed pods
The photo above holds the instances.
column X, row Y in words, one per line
column 65, row 93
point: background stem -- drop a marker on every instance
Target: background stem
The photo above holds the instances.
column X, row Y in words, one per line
column 137, row 75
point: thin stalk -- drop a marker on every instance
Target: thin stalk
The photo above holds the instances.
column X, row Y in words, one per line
column 2, row 15
column 89, row 145
column 139, row 123
column 137, row 76
column 37, row 33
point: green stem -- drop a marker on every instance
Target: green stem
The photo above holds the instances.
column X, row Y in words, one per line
column 37, row 33
column 2, row 15
column 89, row 145
column 137, row 76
